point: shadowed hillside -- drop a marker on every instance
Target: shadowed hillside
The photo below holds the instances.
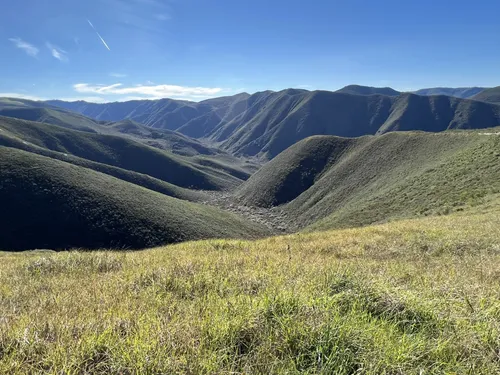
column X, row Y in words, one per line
column 266, row 123
column 42, row 112
column 459, row 92
column 491, row 95
column 119, row 152
column 48, row 203
column 337, row 182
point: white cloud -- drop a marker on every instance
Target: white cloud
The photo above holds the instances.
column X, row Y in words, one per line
column 57, row 53
column 30, row 49
column 150, row 91
column 118, row 75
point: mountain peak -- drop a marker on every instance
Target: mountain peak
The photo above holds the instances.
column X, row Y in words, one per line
column 367, row 90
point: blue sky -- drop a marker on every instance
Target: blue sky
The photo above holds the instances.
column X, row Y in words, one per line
column 107, row 50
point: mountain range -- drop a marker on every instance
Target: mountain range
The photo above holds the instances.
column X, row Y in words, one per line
column 264, row 124
column 144, row 173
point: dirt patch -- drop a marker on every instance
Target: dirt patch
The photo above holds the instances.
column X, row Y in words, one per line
column 273, row 218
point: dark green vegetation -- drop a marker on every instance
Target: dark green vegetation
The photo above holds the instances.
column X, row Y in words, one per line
column 58, row 199
column 320, row 182
column 47, row 203
column 491, row 95
column 266, row 123
column 116, row 151
column 459, row 92
column 332, row 182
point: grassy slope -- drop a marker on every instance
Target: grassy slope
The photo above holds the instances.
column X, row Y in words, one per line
column 162, row 139
column 410, row 297
column 50, row 116
column 129, row 176
column 48, row 203
column 352, row 182
column 491, row 95
column 119, row 152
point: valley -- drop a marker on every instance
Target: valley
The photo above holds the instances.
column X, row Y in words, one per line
column 349, row 232
column 271, row 162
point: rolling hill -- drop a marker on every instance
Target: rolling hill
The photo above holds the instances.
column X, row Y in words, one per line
column 329, row 182
column 264, row 124
column 119, row 152
column 48, row 203
column 42, row 112
column 491, row 95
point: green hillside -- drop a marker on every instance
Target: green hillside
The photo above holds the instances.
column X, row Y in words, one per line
column 331, row 182
column 266, row 123
column 48, row 203
column 119, row 152
column 161, row 138
column 133, row 177
column 491, row 95
column 41, row 112
column 409, row 297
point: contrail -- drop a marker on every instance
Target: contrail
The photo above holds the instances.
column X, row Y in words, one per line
column 99, row 35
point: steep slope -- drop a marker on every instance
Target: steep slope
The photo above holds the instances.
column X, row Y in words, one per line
column 439, row 113
column 48, row 203
column 366, row 90
column 328, row 182
column 265, row 130
column 119, row 152
column 491, row 95
column 459, row 92
column 266, row 123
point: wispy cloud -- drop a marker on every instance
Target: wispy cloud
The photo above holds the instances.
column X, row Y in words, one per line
column 151, row 91
column 162, row 17
column 19, row 96
column 99, row 35
column 118, row 75
column 30, row 49
column 90, row 99
column 145, row 16
column 57, row 53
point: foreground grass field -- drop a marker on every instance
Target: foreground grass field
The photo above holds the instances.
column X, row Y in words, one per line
column 408, row 297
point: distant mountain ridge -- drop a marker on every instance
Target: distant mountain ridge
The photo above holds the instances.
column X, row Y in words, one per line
column 491, row 95
column 266, row 123
column 366, row 90
column 459, row 92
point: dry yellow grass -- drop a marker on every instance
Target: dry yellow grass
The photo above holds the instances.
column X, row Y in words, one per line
column 408, row 297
